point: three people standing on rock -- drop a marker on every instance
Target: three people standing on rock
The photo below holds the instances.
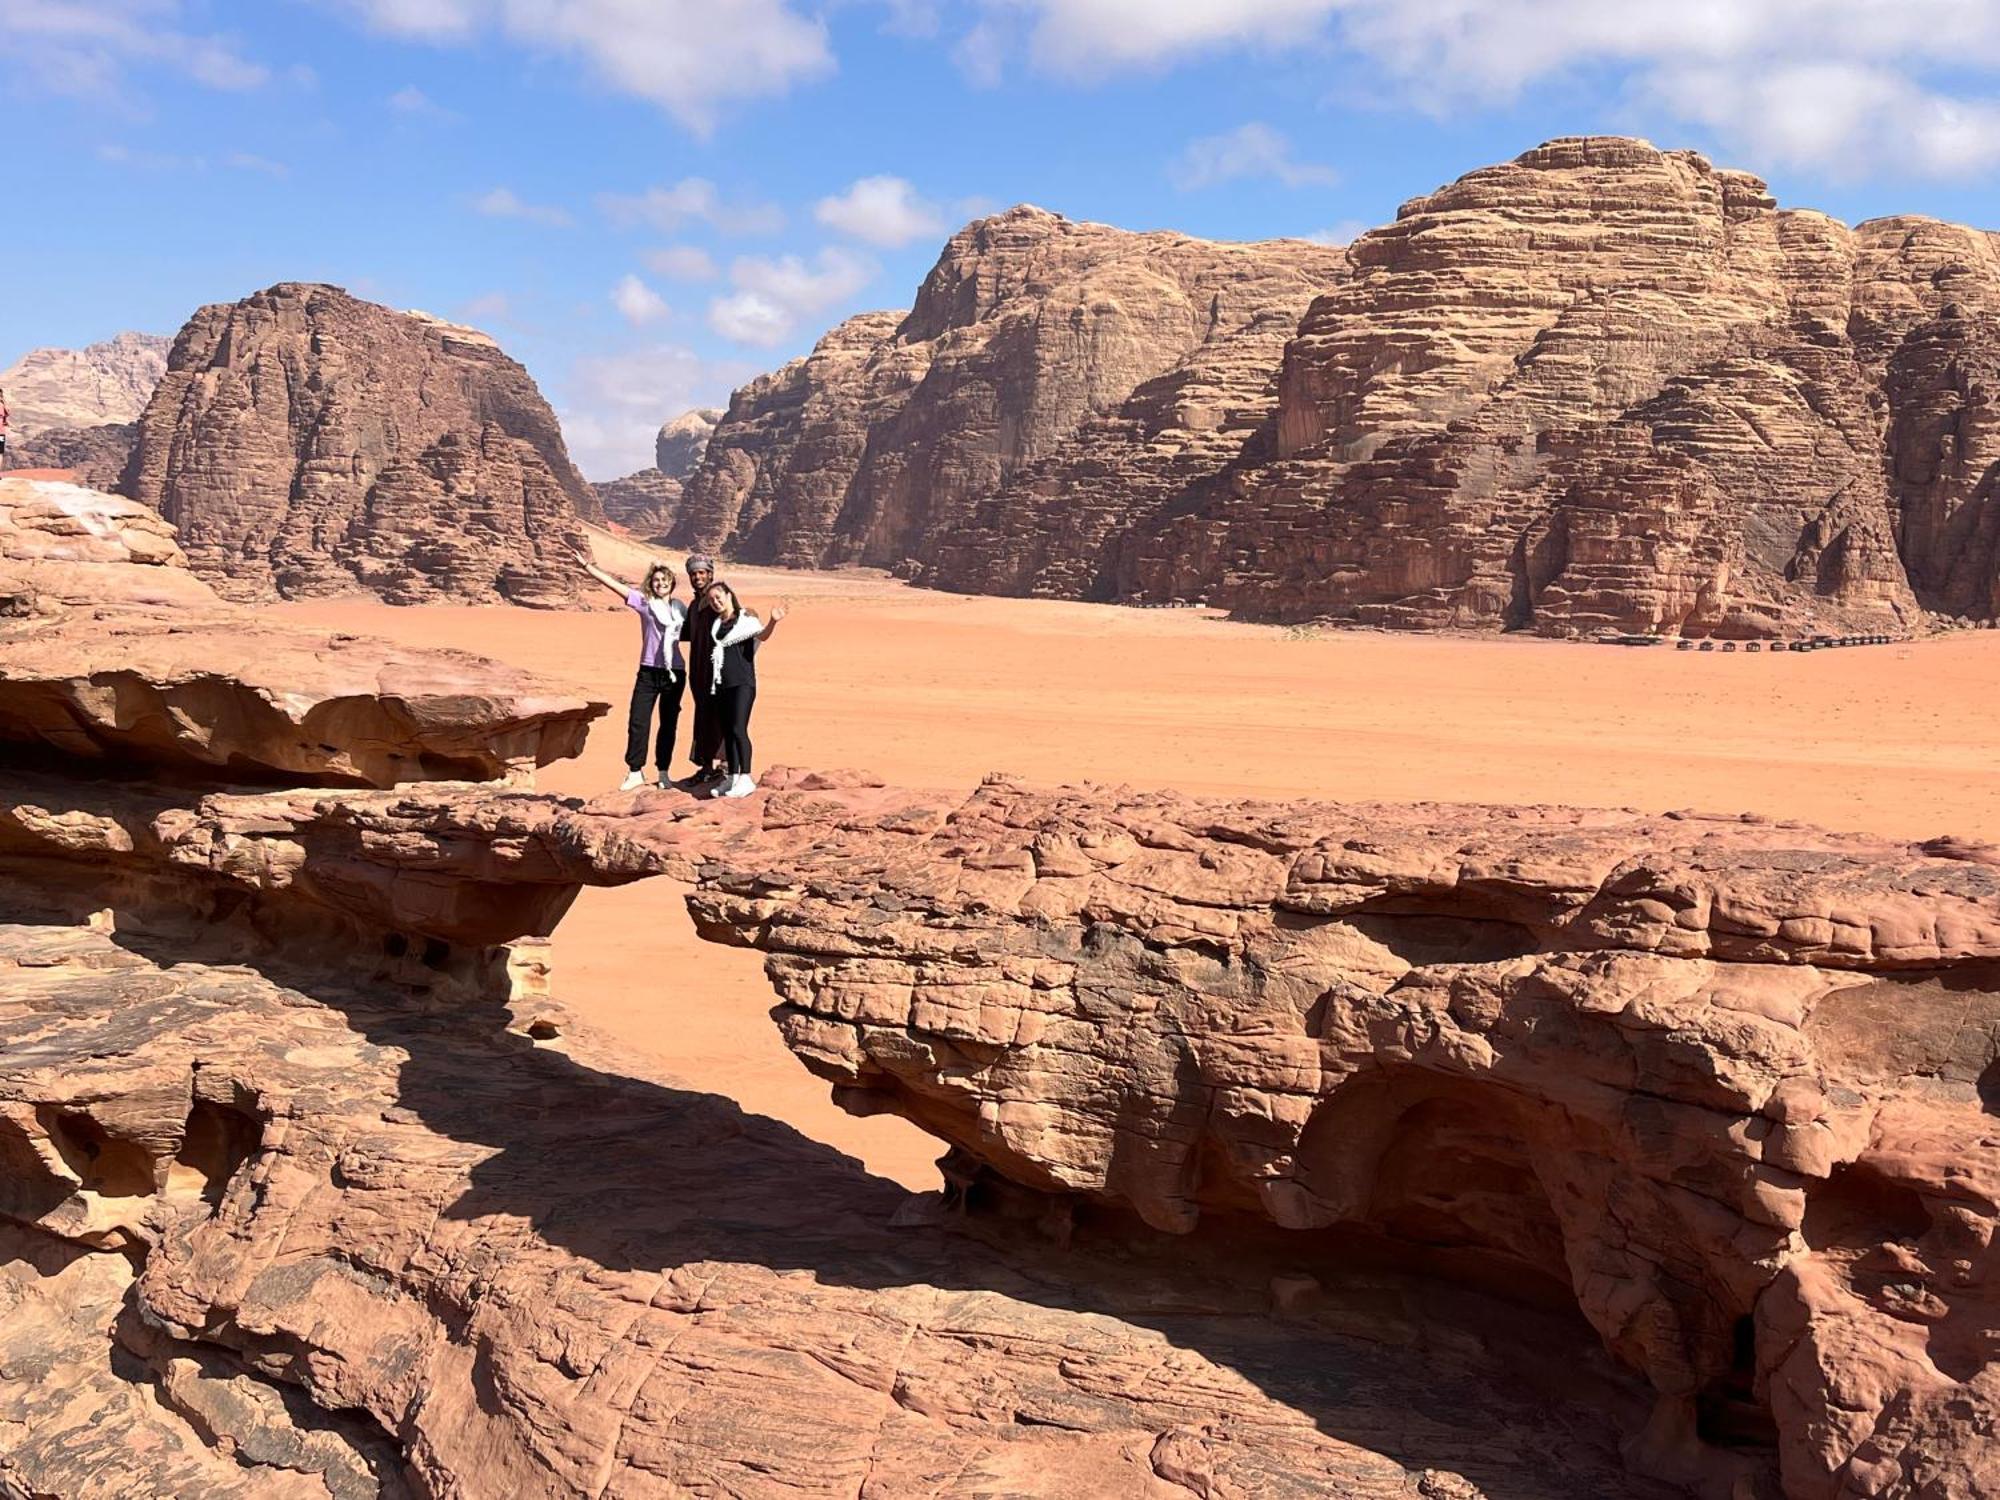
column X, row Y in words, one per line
column 722, row 638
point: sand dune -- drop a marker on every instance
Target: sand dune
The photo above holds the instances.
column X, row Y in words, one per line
column 935, row 690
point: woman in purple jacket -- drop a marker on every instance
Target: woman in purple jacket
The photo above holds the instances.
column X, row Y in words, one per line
column 661, row 675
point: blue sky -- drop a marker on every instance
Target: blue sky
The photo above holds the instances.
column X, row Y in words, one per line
column 647, row 201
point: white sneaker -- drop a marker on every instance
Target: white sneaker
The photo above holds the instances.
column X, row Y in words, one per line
column 632, row 782
column 739, row 786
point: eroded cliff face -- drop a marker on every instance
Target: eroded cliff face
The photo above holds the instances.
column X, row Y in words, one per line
column 108, row 382
column 1730, row 1083
column 1599, row 387
column 648, row 501
column 308, row 1182
column 1029, row 326
column 304, row 442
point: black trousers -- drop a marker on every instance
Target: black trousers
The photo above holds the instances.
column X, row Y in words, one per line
column 653, row 684
column 705, row 744
column 732, row 712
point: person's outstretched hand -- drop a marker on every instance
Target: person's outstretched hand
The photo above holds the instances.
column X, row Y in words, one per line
column 581, row 560
column 779, row 611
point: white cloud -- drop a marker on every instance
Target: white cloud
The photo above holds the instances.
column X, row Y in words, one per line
column 505, row 203
column 1840, row 86
column 413, row 102
column 749, row 318
column 681, row 263
column 1846, row 118
column 244, row 161
column 687, row 56
column 692, row 200
column 612, row 405
column 1252, row 150
column 981, row 54
column 1087, row 38
column 86, row 47
column 773, row 294
column 884, row 211
column 150, row 161
column 637, row 303
column 912, row 18
column 1341, row 232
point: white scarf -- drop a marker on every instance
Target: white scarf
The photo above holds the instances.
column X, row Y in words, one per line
column 670, row 613
column 745, row 626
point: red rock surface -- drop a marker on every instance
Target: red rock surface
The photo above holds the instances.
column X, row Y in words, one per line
column 1028, row 327
column 305, row 442
column 1729, row 1083
column 115, row 654
column 1302, row 1149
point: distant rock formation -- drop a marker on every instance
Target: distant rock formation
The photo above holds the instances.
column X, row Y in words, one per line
column 1029, row 327
column 647, row 501
column 1599, row 387
column 683, row 440
column 644, row 502
column 106, row 382
column 304, row 442
column 96, row 456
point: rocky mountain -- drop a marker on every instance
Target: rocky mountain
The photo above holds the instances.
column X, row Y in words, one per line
column 305, row 442
column 95, row 456
column 1606, row 385
column 1296, row 1148
column 1028, row 328
column 647, row 501
column 106, row 382
column 644, row 502
column 1602, row 386
column 677, row 451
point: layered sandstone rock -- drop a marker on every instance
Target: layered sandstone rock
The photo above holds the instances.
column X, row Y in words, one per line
column 112, row 654
column 1029, row 327
column 647, row 502
column 294, row 1202
column 305, row 442
column 1731, row 1084
column 644, row 502
column 682, row 440
column 101, row 383
column 1335, row 1149
column 1058, row 528
column 1722, row 1084
column 94, row 456
column 1599, row 387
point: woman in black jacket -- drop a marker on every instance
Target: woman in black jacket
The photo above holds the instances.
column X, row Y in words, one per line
column 735, row 634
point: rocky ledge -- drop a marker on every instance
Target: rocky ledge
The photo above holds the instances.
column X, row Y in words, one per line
column 1295, row 1149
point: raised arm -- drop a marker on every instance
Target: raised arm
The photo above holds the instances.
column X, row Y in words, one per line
column 616, row 587
column 778, row 612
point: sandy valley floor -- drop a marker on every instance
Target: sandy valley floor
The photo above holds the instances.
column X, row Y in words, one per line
column 935, row 690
